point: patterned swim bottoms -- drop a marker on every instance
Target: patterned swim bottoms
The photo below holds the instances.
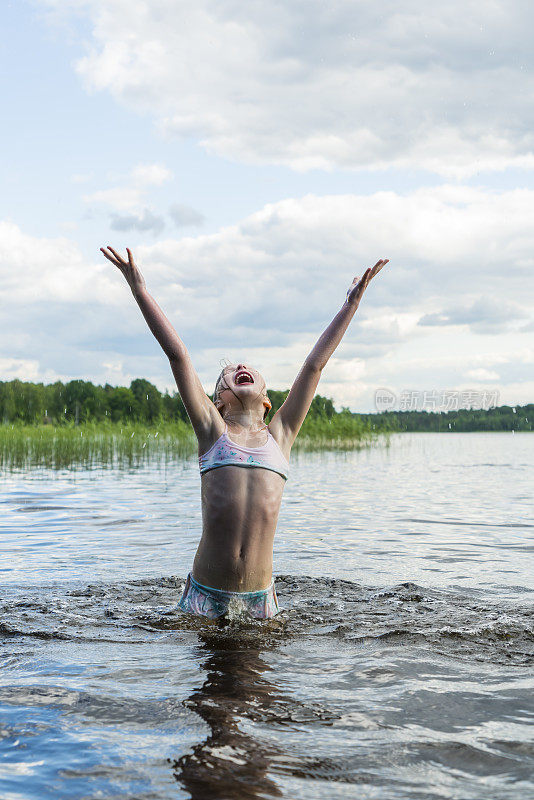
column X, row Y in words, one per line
column 213, row 603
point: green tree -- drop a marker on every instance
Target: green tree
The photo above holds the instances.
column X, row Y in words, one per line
column 7, row 402
column 148, row 401
column 121, row 402
column 173, row 407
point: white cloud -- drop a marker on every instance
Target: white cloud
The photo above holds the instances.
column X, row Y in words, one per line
column 280, row 275
column 119, row 198
column 446, row 87
column 25, row 369
column 42, row 270
column 131, row 194
column 151, row 174
column 145, row 222
column 293, row 259
column 484, row 315
column 185, row 216
column 266, row 288
column 482, row 374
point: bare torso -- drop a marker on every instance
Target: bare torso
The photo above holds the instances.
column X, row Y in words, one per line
column 240, row 508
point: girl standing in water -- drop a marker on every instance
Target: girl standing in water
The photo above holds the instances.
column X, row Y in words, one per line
column 244, row 463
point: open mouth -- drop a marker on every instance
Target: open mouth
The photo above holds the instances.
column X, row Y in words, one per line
column 243, row 377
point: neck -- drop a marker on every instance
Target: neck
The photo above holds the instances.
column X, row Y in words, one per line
column 250, row 419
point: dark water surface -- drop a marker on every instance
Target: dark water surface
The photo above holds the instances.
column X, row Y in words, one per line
column 401, row 666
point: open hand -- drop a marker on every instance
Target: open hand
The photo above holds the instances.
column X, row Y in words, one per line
column 359, row 285
column 131, row 272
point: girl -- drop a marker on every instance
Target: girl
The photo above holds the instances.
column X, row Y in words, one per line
column 240, row 506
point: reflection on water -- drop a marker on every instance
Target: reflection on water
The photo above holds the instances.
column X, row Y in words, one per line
column 229, row 763
column 401, row 666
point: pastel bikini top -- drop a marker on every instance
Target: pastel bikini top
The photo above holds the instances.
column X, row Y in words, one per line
column 225, row 452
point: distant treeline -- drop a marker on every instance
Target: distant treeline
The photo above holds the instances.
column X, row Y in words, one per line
column 502, row 418
column 82, row 401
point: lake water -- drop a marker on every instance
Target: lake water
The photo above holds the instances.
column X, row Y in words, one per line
column 401, row 666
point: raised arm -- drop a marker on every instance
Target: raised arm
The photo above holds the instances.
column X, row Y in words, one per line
column 199, row 407
column 289, row 418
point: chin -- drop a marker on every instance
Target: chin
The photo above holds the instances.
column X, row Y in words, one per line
column 246, row 388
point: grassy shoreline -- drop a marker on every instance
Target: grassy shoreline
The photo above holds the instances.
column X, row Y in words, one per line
column 131, row 444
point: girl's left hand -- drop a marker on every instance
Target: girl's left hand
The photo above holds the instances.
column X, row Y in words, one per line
column 359, row 285
column 129, row 268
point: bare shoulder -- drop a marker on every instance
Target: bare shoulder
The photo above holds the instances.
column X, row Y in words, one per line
column 281, row 437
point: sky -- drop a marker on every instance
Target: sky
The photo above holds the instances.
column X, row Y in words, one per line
column 256, row 157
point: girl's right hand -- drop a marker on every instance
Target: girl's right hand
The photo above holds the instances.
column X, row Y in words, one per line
column 359, row 285
column 129, row 269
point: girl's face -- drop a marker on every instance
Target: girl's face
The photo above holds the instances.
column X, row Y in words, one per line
column 241, row 381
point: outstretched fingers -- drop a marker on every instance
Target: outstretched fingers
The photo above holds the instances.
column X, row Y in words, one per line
column 109, row 257
column 359, row 285
column 378, row 266
column 117, row 256
column 116, row 259
column 362, row 285
column 372, row 271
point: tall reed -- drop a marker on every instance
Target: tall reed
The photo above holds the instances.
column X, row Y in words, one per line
column 93, row 444
column 114, row 444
